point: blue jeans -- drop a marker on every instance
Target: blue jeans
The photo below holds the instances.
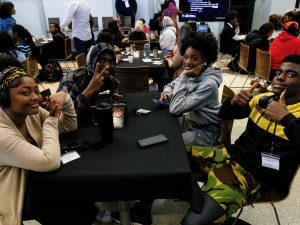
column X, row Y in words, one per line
column 82, row 46
column 206, row 136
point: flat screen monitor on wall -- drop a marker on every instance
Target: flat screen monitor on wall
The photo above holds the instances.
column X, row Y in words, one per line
column 203, row 10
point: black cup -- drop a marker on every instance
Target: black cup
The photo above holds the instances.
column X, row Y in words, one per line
column 102, row 117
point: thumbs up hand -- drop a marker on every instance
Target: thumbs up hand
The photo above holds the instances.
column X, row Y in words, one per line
column 282, row 98
column 245, row 96
column 277, row 110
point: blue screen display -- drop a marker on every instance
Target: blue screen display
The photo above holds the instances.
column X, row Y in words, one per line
column 203, row 10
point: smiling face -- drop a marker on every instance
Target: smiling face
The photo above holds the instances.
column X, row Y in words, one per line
column 192, row 58
column 287, row 78
column 107, row 59
column 25, row 98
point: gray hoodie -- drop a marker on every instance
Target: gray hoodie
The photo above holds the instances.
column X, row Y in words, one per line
column 197, row 98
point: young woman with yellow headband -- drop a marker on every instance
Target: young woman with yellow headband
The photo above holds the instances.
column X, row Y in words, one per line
column 28, row 136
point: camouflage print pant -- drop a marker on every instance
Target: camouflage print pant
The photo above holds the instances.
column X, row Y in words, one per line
column 227, row 182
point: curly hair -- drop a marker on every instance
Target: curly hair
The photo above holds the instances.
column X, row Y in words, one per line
column 6, row 9
column 203, row 42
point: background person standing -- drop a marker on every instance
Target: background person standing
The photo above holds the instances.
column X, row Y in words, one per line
column 79, row 15
column 127, row 8
column 7, row 9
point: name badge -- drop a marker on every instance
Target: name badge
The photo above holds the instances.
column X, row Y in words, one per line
column 127, row 4
column 270, row 161
column 69, row 156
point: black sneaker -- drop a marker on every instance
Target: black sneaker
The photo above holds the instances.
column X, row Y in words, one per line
column 137, row 216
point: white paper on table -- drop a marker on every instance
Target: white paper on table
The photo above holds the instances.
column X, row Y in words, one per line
column 146, row 60
column 157, row 63
column 69, row 156
column 125, row 59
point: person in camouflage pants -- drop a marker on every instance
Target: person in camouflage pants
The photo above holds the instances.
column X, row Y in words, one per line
column 228, row 183
column 263, row 161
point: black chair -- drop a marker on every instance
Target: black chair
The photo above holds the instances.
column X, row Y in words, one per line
column 269, row 198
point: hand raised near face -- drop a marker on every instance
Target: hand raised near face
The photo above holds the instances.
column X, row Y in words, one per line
column 245, row 96
column 58, row 98
column 195, row 72
column 96, row 81
column 53, row 108
column 277, row 110
column 236, row 24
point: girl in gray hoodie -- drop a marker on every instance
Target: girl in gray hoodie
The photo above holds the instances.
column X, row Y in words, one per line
column 193, row 95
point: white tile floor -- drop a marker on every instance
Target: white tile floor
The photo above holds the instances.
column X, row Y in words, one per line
column 169, row 212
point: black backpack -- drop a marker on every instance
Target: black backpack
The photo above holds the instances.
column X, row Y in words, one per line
column 52, row 72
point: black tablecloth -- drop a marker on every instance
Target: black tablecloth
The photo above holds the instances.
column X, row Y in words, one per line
column 121, row 170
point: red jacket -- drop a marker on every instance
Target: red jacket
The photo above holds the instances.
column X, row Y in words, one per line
column 284, row 44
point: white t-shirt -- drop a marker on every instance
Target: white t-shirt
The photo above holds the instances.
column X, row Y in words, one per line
column 79, row 15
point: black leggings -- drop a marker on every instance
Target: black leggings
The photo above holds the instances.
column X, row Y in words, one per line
column 210, row 212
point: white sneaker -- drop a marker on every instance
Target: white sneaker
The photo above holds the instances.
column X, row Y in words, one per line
column 103, row 216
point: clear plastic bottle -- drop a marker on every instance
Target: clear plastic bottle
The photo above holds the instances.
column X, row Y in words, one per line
column 132, row 49
column 147, row 51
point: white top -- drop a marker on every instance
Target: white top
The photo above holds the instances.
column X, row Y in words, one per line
column 79, row 15
column 275, row 33
column 167, row 39
column 237, row 36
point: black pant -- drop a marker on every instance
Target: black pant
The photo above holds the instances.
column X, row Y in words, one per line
column 77, row 213
column 82, row 46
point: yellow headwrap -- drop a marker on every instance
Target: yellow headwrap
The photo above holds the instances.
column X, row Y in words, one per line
column 11, row 75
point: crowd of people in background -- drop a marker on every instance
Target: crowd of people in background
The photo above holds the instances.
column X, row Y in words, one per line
column 192, row 93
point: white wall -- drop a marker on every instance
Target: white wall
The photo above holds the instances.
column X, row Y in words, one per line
column 280, row 7
column 144, row 10
column 264, row 8
column 30, row 15
column 30, row 12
